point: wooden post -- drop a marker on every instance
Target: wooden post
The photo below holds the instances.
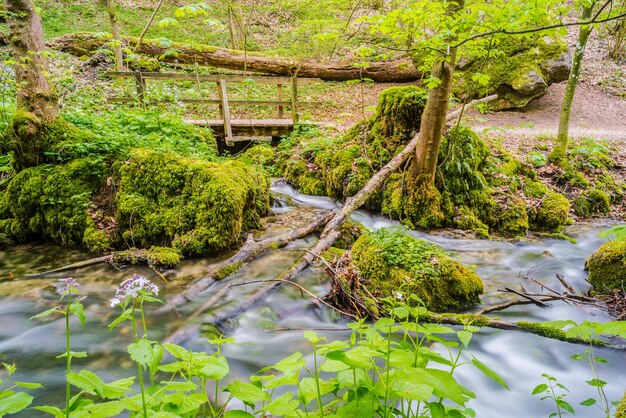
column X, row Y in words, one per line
column 220, row 96
column 281, row 108
column 140, row 82
column 226, row 111
column 294, row 99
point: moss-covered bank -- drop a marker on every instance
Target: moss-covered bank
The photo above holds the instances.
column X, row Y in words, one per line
column 607, row 267
column 392, row 263
column 478, row 185
column 102, row 196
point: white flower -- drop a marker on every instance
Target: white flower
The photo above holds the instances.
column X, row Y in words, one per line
column 398, row 295
column 132, row 288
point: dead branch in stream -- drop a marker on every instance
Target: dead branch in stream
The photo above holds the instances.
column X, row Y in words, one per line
column 118, row 257
column 250, row 250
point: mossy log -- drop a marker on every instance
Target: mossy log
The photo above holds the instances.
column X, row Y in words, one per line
column 383, row 72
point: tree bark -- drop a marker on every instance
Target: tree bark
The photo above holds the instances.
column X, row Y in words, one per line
column 236, row 26
column 559, row 152
column 434, row 117
column 37, row 103
column 383, row 72
column 115, row 31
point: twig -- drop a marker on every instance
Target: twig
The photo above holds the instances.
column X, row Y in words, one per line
column 526, row 296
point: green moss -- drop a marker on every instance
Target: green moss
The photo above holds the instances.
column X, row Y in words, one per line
column 155, row 256
column 557, row 235
column 96, row 240
column 193, row 205
column 444, row 318
column 607, row 266
column 263, row 155
column 524, row 73
column 620, row 412
column 535, row 189
column 349, row 232
column 142, row 63
column 227, row 271
column 592, row 202
column 333, row 253
column 467, row 219
column 417, row 204
column 390, row 261
column 553, row 211
column 554, row 333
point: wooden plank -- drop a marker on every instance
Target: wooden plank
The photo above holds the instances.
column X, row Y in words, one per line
column 229, row 78
column 248, row 127
column 227, row 128
column 281, row 109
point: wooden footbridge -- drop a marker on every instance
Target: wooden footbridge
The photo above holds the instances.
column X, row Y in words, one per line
column 228, row 128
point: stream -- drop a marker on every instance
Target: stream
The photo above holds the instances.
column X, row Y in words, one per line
column 273, row 328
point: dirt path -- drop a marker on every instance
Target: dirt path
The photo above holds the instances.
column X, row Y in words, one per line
column 595, row 113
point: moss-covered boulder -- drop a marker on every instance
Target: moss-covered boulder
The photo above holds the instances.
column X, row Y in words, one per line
column 620, row 412
column 553, row 211
column 522, row 71
column 592, row 202
column 391, row 261
column 195, row 206
column 607, row 266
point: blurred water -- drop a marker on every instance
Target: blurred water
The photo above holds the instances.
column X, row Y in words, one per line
column 273, row 328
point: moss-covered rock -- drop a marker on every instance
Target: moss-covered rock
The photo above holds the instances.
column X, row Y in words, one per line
column 195, row 206
column 607, row 266
column 620, row 412
column 592, row 202
column 553, row 211
column 522, row 73
column 391, row 261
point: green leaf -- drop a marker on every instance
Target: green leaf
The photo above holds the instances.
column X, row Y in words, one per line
column 565, row 406
column 540, row 389
column 177, row 351
column 465, row 337
column 617, row 328
column 52, row 410
column 105, row 409
column 74, row 354
column 237, row 413
column 179, row 386
column 291, row 363
column 489, row 372
column 247, row 392
column 437, row 410
column 118, row 389
column 282, row 406
column 307, row 389
column 588, row 402
column 87, row 381
column 15, row 403
column 46, row 313
column 216, row 368
column 141, row 352
column 578, row 357
column 76, row 309
column 28, row 385
column 596, row 383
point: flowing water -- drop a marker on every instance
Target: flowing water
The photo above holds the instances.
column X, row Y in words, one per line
column 273, row 328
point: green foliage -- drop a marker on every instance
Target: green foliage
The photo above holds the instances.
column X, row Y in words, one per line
column 553, row 212
column 12, row 401
column 618, row 230
column 590, row 154
column 390, row 261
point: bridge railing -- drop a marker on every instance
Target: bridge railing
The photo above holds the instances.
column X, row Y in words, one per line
column 222, row 100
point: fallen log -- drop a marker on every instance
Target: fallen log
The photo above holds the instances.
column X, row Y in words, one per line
column 381, row 72
column 250, row 250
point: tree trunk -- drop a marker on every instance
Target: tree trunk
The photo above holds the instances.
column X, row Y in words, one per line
column 236, row 26
column 383, row 72
column 434, row 117
column 117, row 48
column 37, row 104
column 559, row 152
